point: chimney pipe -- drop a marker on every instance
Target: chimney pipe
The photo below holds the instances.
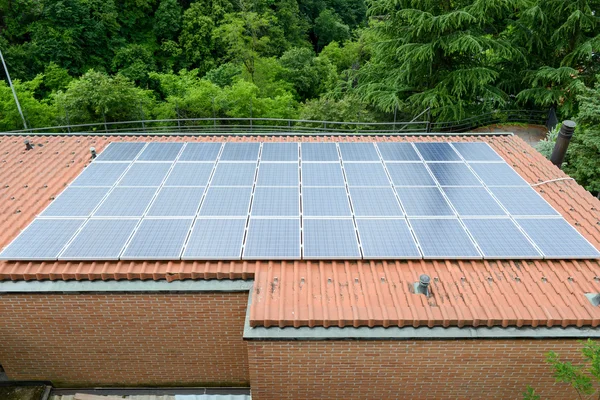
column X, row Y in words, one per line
column 562, row 142
column 93, row 151
column 422, row 287
column 28, row 145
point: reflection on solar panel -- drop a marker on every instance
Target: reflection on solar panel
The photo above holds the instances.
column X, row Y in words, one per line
column 471, row 151
column 366, row 174
column 160, row 152
column 279, row 152
column 522, row 201
column 226, row 202
column 375, row 202
column 322, row 174
column 498, row 174
column 120, row 152
column 122, row 208
column 200, row 152
column 437, row 152
column 76, row 202
column 386, row 238
column 126, row 202
column 500, row 238
column 234, row 174
column 158, row 239
column 410, row 174
column 473, row 201
column 358, row 152
column 215, row 239
column 448, row 174
column 557, row 238
column 273, row 239
column 43, row 239
column 240, row 152
column 398, row 152
column 100, row 174
column 443, row 238
column 100, row 239
column 190, row 174
column 145, row 174
column 319, row 152
column 424, row 202
column 278, row 174
column 325, row 202
column 276, row 202
column 330, row 239
column 176, row 202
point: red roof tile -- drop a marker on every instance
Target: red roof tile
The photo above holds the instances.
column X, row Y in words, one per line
column 469, row 293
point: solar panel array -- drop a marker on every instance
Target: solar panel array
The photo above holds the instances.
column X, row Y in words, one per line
column 202, row 201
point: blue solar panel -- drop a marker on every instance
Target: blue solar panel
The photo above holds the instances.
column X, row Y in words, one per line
column 234, row 174
column 160, row 152
column 437, row 152
column 176, row 202
column 443, row 238
column 278, row 174
column 557, row 238
column 476, row 151
column 272, row 239
column 522, row 201
column 240, row 152
column 498, row 174
column 319, row 152
column 330, row 239
column 100, row 239
column 322, row 174
column 120, row 152
column 398, row 152
column 216, row 239
column 226, row 202
column 200, row 152
column 158, row 239
column 500, row 238
column 190, row 174
column 325, row 202
column 448, row 174
column 424, row 202
column 375, row 202
column 276, row 202
column 43, row 239
column 100, row 174
column 386, row 238
column 145, row 174
column 358, row 152
column 76, row 202
column 126, row 202
column 366, row 174
column 473, row 201
column 410, row 174
column 279, row 152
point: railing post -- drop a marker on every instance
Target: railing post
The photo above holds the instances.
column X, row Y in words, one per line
column 428, row 128
column 68, row 122
column 104, row 118
column 178, row 116
column 395, row 112
column 142, row 115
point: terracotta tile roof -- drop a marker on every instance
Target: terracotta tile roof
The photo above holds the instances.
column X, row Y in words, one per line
column 300, row 293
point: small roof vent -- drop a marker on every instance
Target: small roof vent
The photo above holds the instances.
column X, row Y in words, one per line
column 93, row 151
column 28, row 145
column 594, row 298
column 422, row 287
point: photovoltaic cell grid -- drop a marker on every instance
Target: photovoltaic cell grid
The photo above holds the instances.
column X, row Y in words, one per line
column 298, row 200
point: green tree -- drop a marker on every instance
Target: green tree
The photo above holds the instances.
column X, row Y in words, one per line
column 134, row 61
column 196, row 37
column 56, row 78
column 329, row 27
column 309, row 74
column 37, row 113
column 167, row 20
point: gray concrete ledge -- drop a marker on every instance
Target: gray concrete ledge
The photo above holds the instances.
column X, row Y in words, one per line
column 214, row 285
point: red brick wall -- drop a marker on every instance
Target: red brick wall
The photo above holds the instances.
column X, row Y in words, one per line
column 444, row 369
column 125, row 339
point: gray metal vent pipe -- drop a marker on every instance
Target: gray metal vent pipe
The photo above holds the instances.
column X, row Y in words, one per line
column 562, row 143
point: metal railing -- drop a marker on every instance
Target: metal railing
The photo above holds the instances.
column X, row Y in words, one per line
column 275, row 126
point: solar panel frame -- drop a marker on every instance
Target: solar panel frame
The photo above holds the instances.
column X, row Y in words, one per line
column 523, row 201
column 317, row 231
column 206, row 239
column 100, row 239
column 322, row 174
column 145, row 174
column 375, row 202
column 366, row 174
column 120, row 152
column 357, row 152
column 124, row 202
column 278, row 174
column 498, row 174
column 240, row 151
column 433, row 237
column 226, row 202
column 234, row 174
column 75, row 202
column 476, row 151
column 437, row 152
column 453, row 174
column 283, row 235
column 473, row 201
column 200, row 152
column 100, row 174
column 319, row 152
column 158, row 239
column 398, row 152
column 410, row 174
column 500, row 238
column 190, row 174
column 424, row 202
column 387, row 239
column 276, row 202
column 42, row 240
column 176, row 202
column 280, row 152
column 161, row 151
column 325, row 202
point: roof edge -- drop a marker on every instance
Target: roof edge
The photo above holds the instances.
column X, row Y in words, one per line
column 254, row 134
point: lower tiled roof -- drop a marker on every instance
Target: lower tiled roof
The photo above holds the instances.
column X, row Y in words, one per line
column 469, row 293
